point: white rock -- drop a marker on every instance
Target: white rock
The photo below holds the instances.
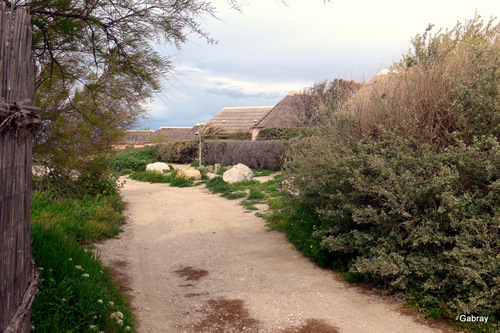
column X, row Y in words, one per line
column 189, row 173
column 238, row 173
column 157, row 166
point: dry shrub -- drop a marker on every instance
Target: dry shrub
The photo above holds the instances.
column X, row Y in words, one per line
column 448, row 83
column 254, row 154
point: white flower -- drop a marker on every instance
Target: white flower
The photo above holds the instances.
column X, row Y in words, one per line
column 111, row 303
column 93, row 327
column 85, row 275
column 79, row 267
column 70, row 259
column 120, row 322
column 116, row 315
column 127, row 328
column 63, row 300
column 99, row 301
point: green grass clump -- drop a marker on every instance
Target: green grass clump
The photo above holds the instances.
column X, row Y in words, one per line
column 88, row 220
column 151, row 177
column 158, row 177
column 256, row 195
column 76, row 293
column 257, row 192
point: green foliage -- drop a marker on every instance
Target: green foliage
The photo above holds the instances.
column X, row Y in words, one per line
column 282, row 133
column 134, row 159
column 240, row 135
column 150, row 176
column 75, row 290
column 178, row 151
column 409, row 217
column 93, row 178
column 76, row 293
column 257, row 192
column 256, row 195
column 400, row 186
column 158, row 177
column 88, row 220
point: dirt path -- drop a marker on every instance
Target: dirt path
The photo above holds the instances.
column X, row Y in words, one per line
column 198, row 263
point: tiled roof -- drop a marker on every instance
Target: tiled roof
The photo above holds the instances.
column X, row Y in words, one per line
column 235, row 119
column 177, row 133
column 138, row 137
column 287, row 113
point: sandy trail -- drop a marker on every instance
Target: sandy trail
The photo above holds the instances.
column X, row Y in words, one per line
column 198, row 263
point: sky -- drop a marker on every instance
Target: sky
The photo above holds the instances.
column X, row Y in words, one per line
column 267, row 49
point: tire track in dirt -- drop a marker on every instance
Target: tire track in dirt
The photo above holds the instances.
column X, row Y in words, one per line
column 197, row 262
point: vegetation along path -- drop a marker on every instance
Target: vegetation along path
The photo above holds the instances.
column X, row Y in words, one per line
column 197, row 262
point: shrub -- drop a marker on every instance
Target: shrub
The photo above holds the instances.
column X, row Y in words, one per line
column 178, row 151
column 282, row 133
column 411, row 218
column 134, row 159
column 254, row 154
column 402, row 182
column 448, row 83
column 240, row 135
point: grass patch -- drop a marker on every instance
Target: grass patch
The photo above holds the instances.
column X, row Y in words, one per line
column 236, row 195
column 256, row 195
column 261, row 173
column 76, row 293
column 158, row 177
column 257, row 192
column 88, row 220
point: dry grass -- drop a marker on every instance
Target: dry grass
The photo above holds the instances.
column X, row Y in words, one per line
column 448, row 83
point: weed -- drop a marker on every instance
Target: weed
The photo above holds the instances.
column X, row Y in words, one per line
column 256, row 195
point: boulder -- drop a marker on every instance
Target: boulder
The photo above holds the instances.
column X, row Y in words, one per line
column 189, row 173
column 157, row 166
column 238, row 173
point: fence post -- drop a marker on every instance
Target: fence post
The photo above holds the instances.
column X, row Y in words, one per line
column 18, row 122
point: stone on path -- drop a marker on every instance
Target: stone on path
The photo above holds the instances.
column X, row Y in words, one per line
column 189, row 173
column 238, row 173
column 157, row 166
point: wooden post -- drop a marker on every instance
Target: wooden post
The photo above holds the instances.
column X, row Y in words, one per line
column 18, row 122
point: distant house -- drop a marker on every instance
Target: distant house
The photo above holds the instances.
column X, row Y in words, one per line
column 137, row 138
column 239, row 119
column 289, row 112
column 177, row 133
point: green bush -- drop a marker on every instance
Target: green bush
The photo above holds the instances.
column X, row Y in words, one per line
column 411, row 218
column 178, row 151
column 282, row 133
column 240, row 135
column 401, row 184
column 134, row 159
